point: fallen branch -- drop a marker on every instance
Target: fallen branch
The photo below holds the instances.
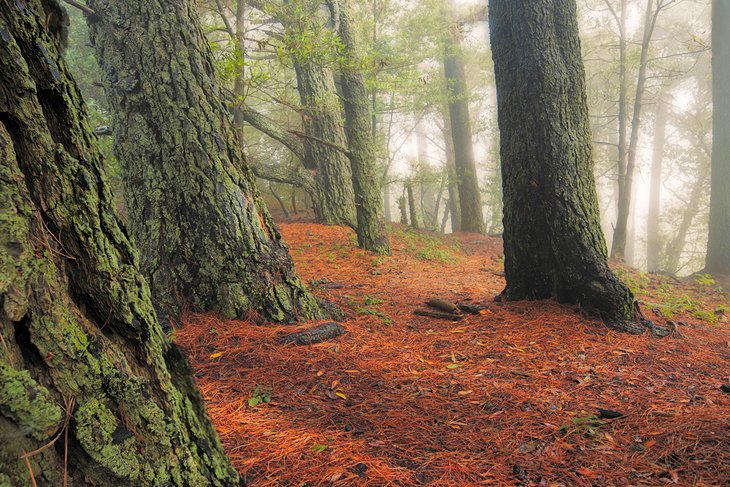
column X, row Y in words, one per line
column 435, row 314
column 473, row 309
column 316, row 334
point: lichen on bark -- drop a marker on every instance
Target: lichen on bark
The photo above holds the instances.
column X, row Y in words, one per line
column 76, row 319
column 207, row 241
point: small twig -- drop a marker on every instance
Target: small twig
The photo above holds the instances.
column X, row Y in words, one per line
column 30, row 469
column 321, row 141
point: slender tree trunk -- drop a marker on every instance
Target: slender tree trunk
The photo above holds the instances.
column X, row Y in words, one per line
column 415, row 223
column 371, row 232
column 278, row 199
column 402, row 207
column 618, row 246
column 552, row 235
column 454, row 207
column 653, row 239
column 718, row 244
column 83, row 360
column 472, row 219
column 207, row 240
column 445, row 219
column 676, row 246
column 387, row 202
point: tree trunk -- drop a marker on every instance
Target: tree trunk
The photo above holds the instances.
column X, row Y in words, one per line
column 718, row 243
column 676, row 246
column 91, row 387
column 321, row 119
column 472, row 219
column 207, row 240
column 412, row 206
column 552, row 236
column 371, row 232
column 653, row 239
column 618, row 245
column 454, row 208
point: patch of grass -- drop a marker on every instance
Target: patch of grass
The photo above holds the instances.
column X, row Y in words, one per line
column 588, row 426
column 374, row 312
column 429, row 247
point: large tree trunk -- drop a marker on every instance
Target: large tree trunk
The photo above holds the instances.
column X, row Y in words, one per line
column 653, row 238
column 718, row 244
column 472, row 219
column 552, row 235
column 207, row 240
column 91, row 387
column 322, row 121
column 371, row 232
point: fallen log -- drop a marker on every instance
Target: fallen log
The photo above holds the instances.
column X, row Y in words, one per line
column 316, row 334
column 443, row 306
column 436, row 314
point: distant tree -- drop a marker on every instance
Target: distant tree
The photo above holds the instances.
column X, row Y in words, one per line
column 207, row 240
column 718, row 245
column 371, row 232
column 91, row 390
column 553, row 242
column 470, row 212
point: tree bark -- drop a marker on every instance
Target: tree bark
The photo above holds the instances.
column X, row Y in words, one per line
column 471, row 216
column 321, row 119
column 552, row 236
column 207, row 240
column 454, row 208
column 371, row 232
column 84, row 360
column 718, row 243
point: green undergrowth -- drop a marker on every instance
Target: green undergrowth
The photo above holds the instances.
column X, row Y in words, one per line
column 427, row 246
column 670, row 298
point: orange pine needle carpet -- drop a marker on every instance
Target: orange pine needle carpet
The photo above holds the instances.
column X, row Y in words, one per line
column 506, row 397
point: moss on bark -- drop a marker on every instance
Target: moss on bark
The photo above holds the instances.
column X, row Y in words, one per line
column 207, row 241
column 76, row 318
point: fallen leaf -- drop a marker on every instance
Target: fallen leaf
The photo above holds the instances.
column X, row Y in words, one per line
column 465, row 393
column 453, row 366
column 216, row 355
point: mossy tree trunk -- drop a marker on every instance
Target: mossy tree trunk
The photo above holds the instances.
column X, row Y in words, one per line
column 470, row 203
column 552, row 235
column 83, row 360
column 371, row 232
column 718, row 244
column 206, row 238
column 321, row 118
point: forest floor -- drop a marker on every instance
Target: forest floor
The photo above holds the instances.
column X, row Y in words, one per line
column 506, row 397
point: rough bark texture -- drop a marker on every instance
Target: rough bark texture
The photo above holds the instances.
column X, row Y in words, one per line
column 207, row 240
column 470, row 204
column 83, row 358
column 371, row 232
column 552, row 236
column 718, row 245
column 322, row 120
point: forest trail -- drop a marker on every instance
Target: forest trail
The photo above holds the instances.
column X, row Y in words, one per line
column 507, row 397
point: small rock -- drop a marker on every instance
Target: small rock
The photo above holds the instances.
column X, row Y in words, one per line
column 609, row 414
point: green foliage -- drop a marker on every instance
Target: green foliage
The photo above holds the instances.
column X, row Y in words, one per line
column 429, row 247
column 259, row 395
column 587, row 425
